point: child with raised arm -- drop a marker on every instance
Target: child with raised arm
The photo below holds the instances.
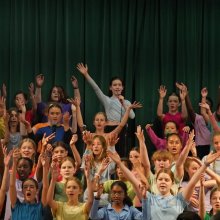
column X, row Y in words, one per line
column 165, row 159
column 115, row 106
column 165, row 205
column 120, row 206
column 57, row 95
column 202, row 132
column 30, row 208
column 5, row 178
column 173, row 113
column 72, row 208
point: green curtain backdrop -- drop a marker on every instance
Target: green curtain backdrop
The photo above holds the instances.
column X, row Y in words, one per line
column 146, row 42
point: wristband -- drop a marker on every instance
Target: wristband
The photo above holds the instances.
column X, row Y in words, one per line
column 76, row 88
column 206, row 164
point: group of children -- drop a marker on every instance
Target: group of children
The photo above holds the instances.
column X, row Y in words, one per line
column 43, row 175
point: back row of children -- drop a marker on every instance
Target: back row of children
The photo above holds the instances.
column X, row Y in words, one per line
column 46, row 177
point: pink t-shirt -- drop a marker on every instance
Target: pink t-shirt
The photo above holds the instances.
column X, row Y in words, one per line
column 177, row 118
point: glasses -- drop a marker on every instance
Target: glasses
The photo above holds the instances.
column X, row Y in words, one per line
column 119, row 193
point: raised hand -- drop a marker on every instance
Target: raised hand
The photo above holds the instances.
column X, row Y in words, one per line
column 45, row 140
column 140, row 134
column 39, row 79
column 75, row 101
column 73, row 140
column 135, row 105
column 162, row 91
column 74, row 82
column 186, row 129
column 7, row 157
column 211, row 158
column 31, row 89
column 204, row 92
column 204, row 105
column 4, row 90
column 114, row 156
column 82, row 69
column 112, row 140
column 66, row 118
column 16, row 155
column 148, row 126
column 87, row 137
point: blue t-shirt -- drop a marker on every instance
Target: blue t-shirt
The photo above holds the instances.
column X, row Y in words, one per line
column 27, row 211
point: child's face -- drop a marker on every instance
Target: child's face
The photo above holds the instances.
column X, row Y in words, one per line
column 216, row 142
column 164, row 183
column 116, row 87
column 54, row 115
column 19, row 98
column 161, row 163
column 73, row 190
column 67, row 169
column 55, row 95
column 23, row 169
column 27, row 149
column 60, row 153
column 173, row 103
column 99, row 121
column 170, row 128
column 29, row 191
column 134, row 157
column 13, row 117
column 97, row 147
column 193, row 167
column 117, row 194
column 174, row 145
column 215, row 201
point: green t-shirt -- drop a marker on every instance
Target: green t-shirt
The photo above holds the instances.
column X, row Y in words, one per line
column 207, row 216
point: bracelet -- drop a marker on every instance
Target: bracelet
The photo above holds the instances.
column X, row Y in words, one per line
column 206, row 164
column 76, row 88
column 96, row 174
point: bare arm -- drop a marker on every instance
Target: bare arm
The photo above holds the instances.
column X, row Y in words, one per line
column 128, row 174
column 45, row 163
column 50, row 194
column 124, row 120
column 162, row 92
column 76, row 154
column 39, row 79
column 143, row 151
column 89, row 187
column 179, row 172
column 188, row 190
column 5, row 177
column 211, row 116
column 202, row 201
column 204, row 93
column 12, row 187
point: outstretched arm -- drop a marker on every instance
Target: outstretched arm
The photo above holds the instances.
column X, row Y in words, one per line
column 179, row 171
column 202, row 199
column 50, row 194
column 76, row 154
column 204, row 93
column 188, row 190
column 162, row 92
column 211, row 116
column 39, row 80
column 5, row 177
column 143, row 151
column 128, row 174
column 124, row 120
column 12, row 187
column 83, row 69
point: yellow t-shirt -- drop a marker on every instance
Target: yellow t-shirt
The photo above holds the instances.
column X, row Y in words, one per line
column 67, row 212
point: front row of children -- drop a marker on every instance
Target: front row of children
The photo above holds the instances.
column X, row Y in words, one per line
column 52, row 182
